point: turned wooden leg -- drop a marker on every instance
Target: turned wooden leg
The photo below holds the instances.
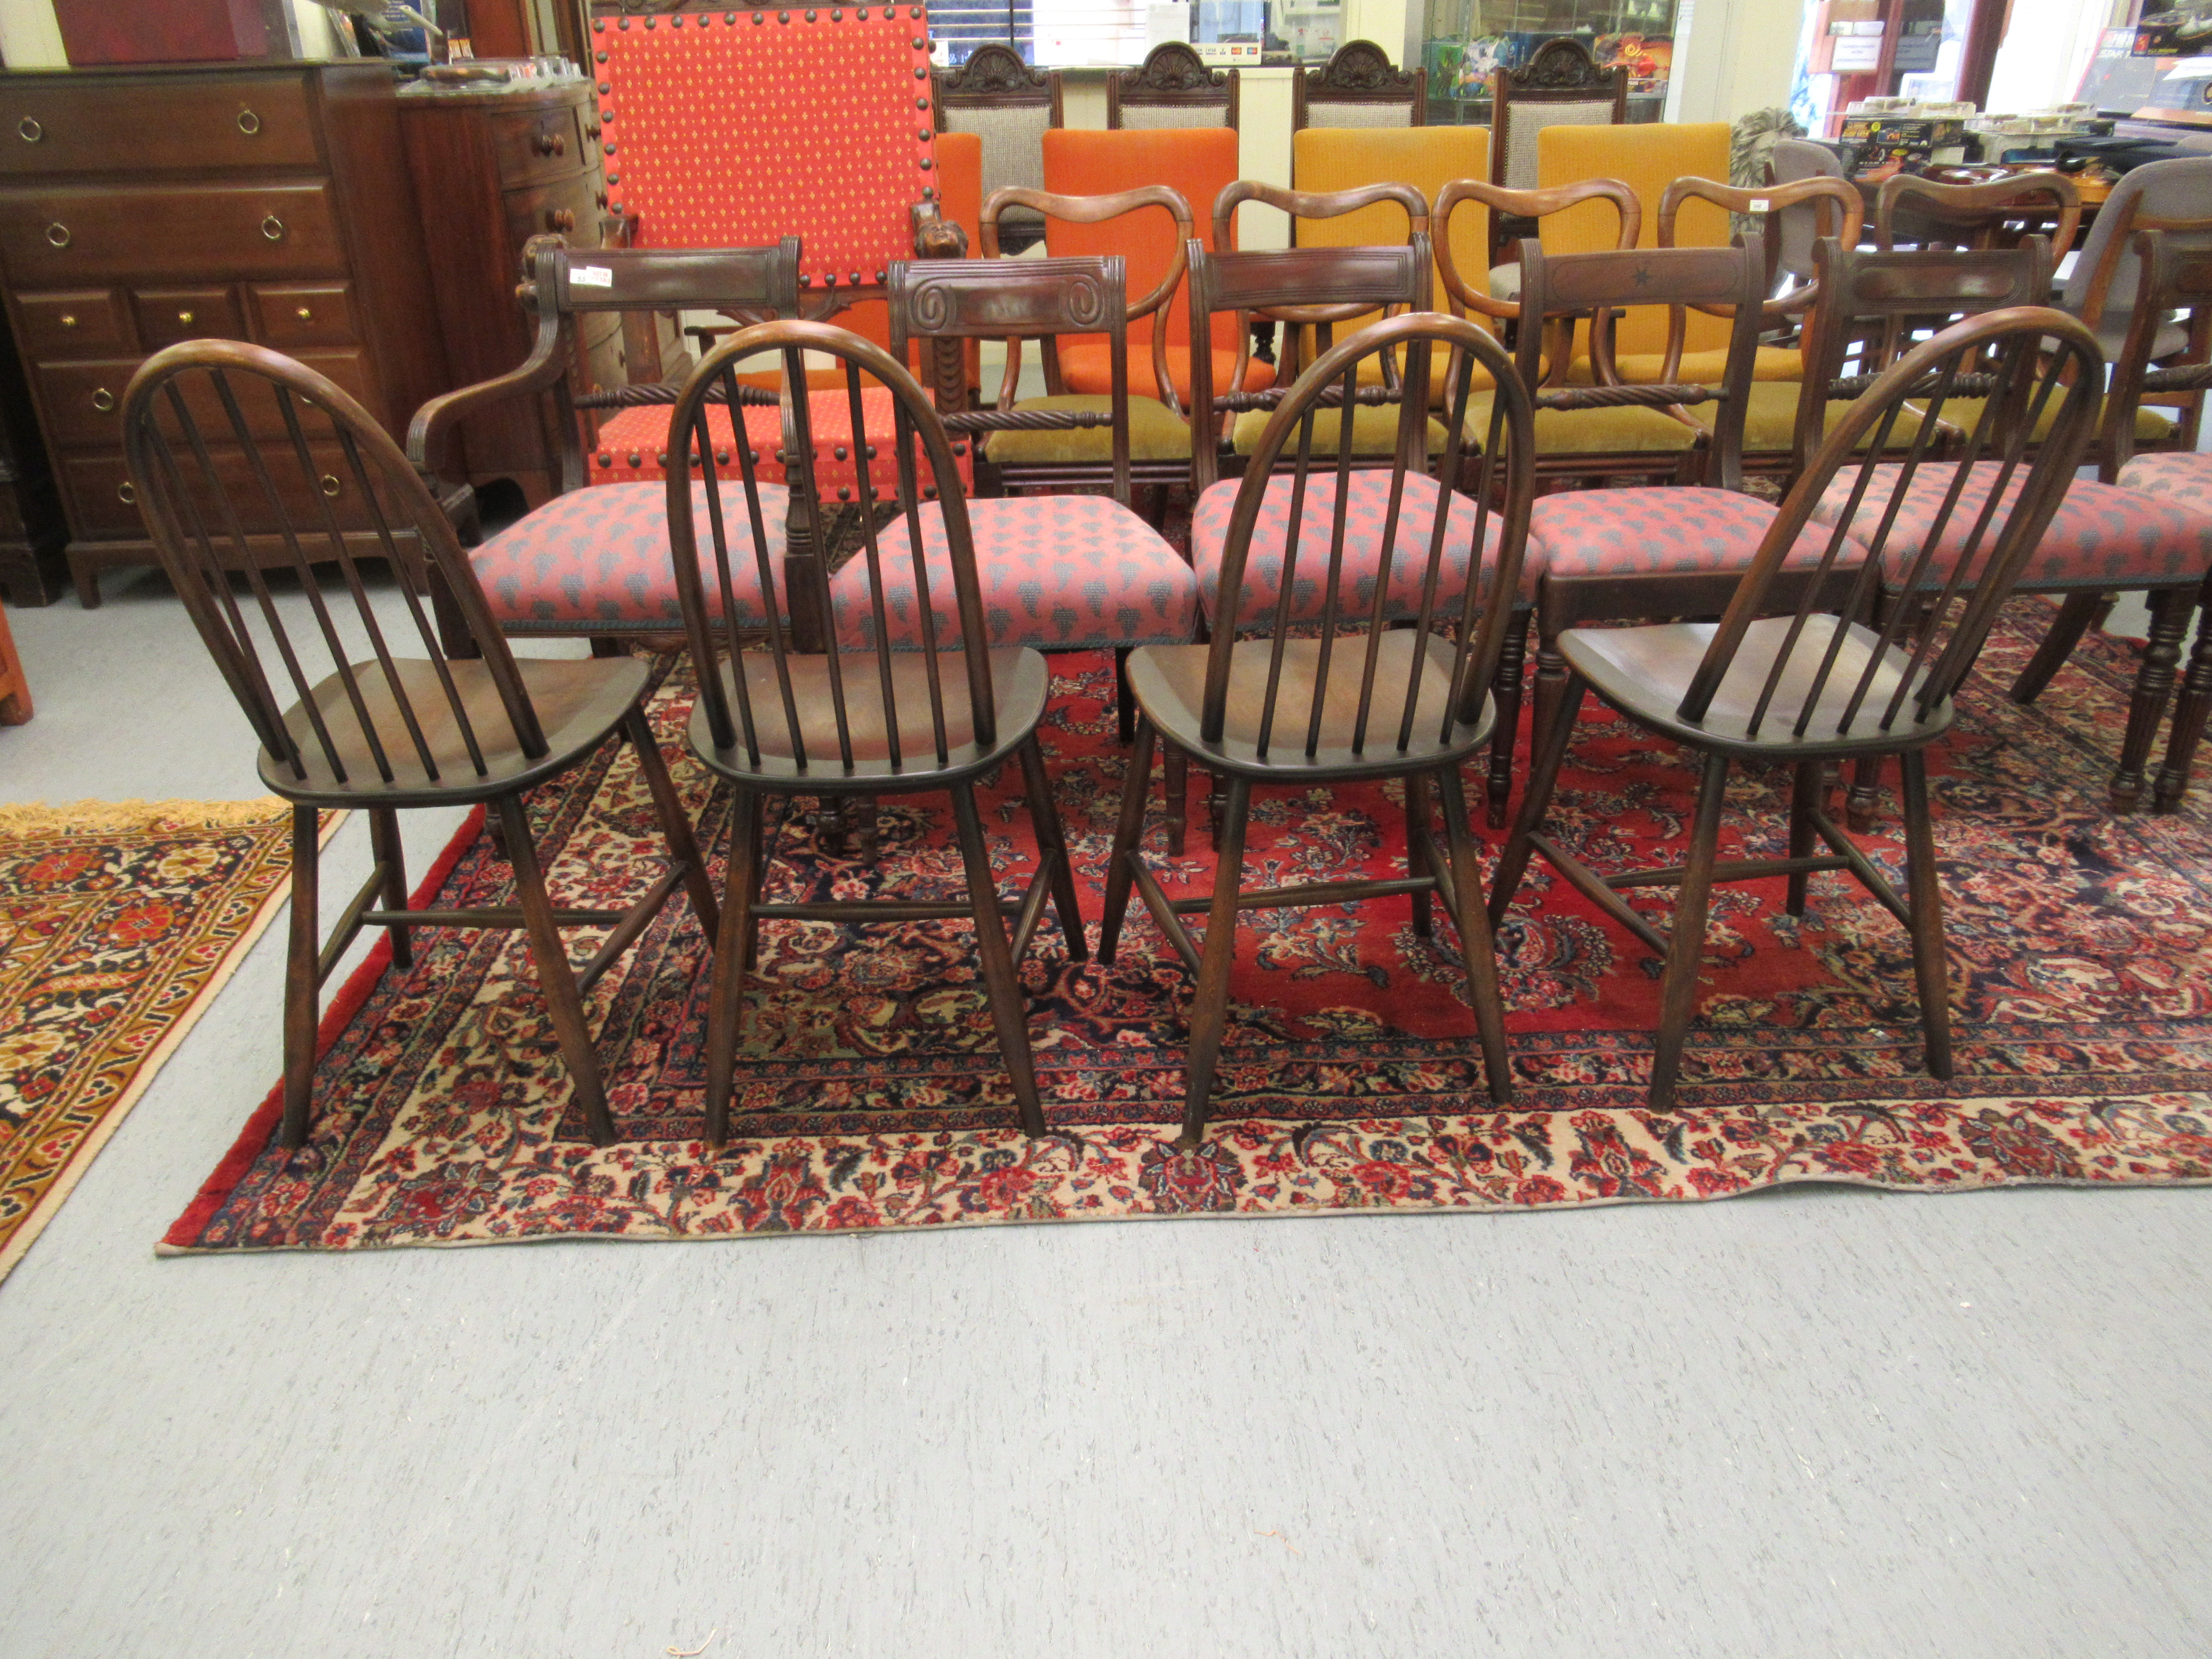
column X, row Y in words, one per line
column 1003, row 985
column 1478, row 949
column 1052, row 844
column 1865, row 797
column 1812, row 783
column 1175, row 771
column 1925, row 902
column 302, row 1003
column 2169, row 621
column 726, row 993
column 1686, row 943
column 2189, row 714
column 1418, row 818
column 1505, row 689
column 1552, row 738
column 391, row 862
column 1209, row 1004
column 556, row 977
column 1136, row 788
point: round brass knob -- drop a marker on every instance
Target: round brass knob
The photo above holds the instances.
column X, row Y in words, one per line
column 58, row 234
column 103, row 400
column 126, row 495
column 306, row 313
column 551, row 143
column 273, row 228
column 560, row 219
column 185, row 318
column 248, row 122
column 30, row 131
column 68, row 319
column 331, row 485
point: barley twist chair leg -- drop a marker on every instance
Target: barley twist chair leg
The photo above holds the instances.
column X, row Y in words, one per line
column 555, row 978
column 1209, row 1003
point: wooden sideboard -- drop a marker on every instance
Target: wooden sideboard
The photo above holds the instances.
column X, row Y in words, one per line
column 263, row 202
column 492, row 170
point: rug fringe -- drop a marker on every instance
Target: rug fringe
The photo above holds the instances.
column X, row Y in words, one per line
column 107, row 817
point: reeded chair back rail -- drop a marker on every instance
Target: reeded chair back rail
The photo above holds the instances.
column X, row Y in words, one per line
column 1394, row 683
column 1319, row 286
column 387, row 731
column 833, row 721
column 1806, row 685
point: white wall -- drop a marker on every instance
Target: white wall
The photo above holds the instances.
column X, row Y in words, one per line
column 1734, row 56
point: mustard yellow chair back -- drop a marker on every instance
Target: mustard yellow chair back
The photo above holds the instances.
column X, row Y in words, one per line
column 1647, row 158
column 1327, row 159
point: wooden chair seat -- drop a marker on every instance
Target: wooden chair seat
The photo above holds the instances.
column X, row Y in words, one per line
column 1019, row 681
column 1169, row 683
column 1645, row 673
column 579, row 703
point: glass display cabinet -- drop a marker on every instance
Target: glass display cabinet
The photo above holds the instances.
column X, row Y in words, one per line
column 1467, row 40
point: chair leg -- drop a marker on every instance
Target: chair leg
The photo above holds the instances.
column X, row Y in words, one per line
column 1551, row 740
column 1420, row 818
column 1044, row 819
column 675, row 822
column 1001, row 981
column 2189, row 716
column 1551, row 679
column 1925, row 903
column 2065, row 633
column 302, row 1003
column 733, row 948
column 1209, row 1003
column 1125, row 701
column 1175, row 773
column 1136, row 789
column 1811, row 784
column 2169, row 622
column 1476, row 945
column 1686, row 944
column 1865, row 797
column 555, row 978
column 391, row 857
column 1512, row 665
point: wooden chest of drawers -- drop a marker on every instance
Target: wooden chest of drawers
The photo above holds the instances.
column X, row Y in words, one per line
column 270, row 203
column 492, row 170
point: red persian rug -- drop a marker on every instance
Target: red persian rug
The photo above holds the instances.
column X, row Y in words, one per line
column 119, row 922
column 872, row 1094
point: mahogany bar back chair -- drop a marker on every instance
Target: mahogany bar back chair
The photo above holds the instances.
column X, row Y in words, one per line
column 1788, row 678
column 1172, row 88
column 225, row 439
column 1641, row 554
column 1359, row 87
column 1389, row 681
column 781, row 719
column 594, row 563
column 2172, row 296
column 2100, row 539
column 1061, row 456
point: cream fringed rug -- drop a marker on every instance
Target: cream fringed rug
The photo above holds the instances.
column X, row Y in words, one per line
column 118, row 923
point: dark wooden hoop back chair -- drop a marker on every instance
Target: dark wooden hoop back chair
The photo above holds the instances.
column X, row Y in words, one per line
column 2101, row 539
column 1172, row 88
column 1010, row 106
column 1559, row 85
column 371, row 728
column 2172, row 295
column 1771, row 429
column 1064, row 457
column 594, row 562
column 928, row 705
column 1788, row 680
column 1393, row 679
column 1359, row 87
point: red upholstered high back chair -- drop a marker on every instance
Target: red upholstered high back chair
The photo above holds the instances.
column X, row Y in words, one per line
column 1198, row 164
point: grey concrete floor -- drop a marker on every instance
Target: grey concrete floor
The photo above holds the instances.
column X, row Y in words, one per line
column 1817, row 1423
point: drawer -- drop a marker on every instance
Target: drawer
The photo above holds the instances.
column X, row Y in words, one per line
column 209, row 233
column 74, row 323
column 289, row 315
column 93, row 126
column 83, row 401
column 566, row 210
column 102, row 501
column 167, row 315
column 535, row 145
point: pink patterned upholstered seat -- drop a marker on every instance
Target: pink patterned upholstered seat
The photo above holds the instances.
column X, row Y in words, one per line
column 2183, row 478
column 1670, row 532
column 1058, row 573
column 1367, row 504
column 2102, row 536
column 632, row 447
column 599, row 558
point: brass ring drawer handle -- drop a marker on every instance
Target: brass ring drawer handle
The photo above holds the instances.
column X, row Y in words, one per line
column 103, row 400
column 126, row 495
column 31, row 131
column 273, row 228
column 58, row 233
column 248, row 122
column 331, row 485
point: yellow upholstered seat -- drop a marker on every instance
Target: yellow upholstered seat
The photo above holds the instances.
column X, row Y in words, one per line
column 1374, row 431
column 1155, row 434
column 1770, row 419
column 1593, row 431
column 2151, row 425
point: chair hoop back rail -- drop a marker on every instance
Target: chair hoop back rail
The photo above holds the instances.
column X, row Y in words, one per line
column 222, row 438
column 1838, row 209
column 2173, row 276
column 1381, row 633
column 1466, row 296
column 929, row 705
